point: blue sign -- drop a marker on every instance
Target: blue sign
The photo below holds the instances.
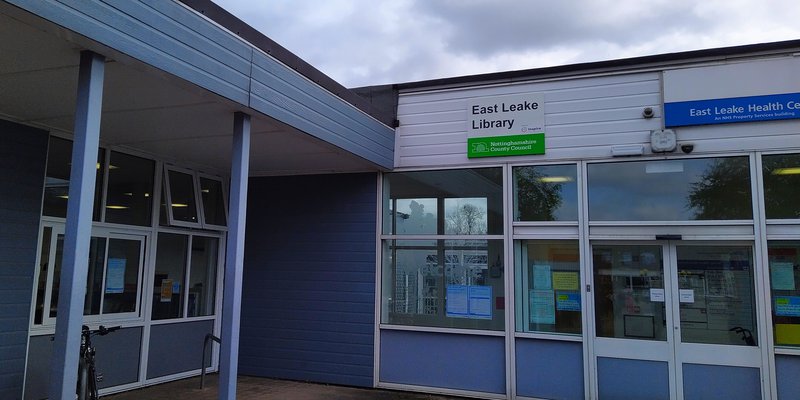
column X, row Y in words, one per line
column 787, row 306
column 568, row 301
column 732, row 110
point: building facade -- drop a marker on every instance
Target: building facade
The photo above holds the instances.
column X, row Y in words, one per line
column 610, row 230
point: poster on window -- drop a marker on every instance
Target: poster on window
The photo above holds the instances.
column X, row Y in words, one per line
column 782, row 275
column 465, row 301
column 115, row 275
column 166, row 290
column 542, row 279
column 543, row 307
column 457, row 301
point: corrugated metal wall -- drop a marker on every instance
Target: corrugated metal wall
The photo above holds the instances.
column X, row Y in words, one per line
column 309, row 279
column 583, row 118
column 23, row 155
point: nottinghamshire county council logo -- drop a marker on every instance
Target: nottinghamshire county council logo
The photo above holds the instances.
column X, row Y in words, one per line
column 479, row 148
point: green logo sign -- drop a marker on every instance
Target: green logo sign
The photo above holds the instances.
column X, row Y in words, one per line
column 500, row 146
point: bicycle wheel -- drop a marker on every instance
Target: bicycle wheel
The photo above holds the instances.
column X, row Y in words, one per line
column 83, row 380
column 92, row 383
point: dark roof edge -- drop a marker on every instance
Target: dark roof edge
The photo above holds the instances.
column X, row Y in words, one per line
column 269, row 46
column 527, row 74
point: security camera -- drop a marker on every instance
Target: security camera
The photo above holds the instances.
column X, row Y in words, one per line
column 648, row 112
column 687, row 148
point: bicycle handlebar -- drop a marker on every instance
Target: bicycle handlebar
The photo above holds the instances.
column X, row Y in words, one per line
column 101, row 330
column 105, row 331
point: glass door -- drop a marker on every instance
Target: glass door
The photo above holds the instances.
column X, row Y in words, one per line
column 675, row 320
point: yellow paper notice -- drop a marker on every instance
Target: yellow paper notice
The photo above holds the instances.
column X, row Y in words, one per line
column 787, row 334
column 565, row 281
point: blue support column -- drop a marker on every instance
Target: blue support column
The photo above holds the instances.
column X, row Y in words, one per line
column 234, row 258
column 72, row 290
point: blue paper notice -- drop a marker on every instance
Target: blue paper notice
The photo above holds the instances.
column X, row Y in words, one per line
column 457, row 301
column 787, row 306
column 480, row 302
column 115, row 275
column 568, row 301
column 469, row 301
column 543, row 310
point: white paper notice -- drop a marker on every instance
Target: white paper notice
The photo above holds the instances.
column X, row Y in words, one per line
column 657, row 295
column 686, row 295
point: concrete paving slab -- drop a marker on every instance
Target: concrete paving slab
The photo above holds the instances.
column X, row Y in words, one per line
column 251, row 388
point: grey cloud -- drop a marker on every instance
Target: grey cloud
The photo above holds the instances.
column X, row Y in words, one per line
column 485, row 28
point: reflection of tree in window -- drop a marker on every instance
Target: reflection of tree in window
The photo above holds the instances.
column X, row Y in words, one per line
column 722, row 191
column 781, row 182
column 466, row 218
column 537, row 199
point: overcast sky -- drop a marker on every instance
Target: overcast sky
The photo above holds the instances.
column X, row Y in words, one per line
column 371, row 42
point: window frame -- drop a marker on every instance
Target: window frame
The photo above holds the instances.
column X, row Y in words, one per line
column 218, row 276
column 168, row 197
column 386, row 209
column 108, row 233
column 198, row 198
column 224, row 187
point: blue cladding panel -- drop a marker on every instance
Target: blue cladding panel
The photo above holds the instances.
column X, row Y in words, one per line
column 309, row 279
column 22, row 166
column 720, row 382
column 177, row 40
column 787, row 370
column 176, row 347
column 621, row 379
column 464, row 362
column 549, row 369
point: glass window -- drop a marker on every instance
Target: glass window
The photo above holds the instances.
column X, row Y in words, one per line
column 444, row 283
column 182, row 197
column 44, row 268
column 129, row 198
column 94, row 277
column 112, row 282
column 122, row 276
column 722, row 310
column 781, row 185
column 56, row 185
column 203, row 276
column 548, row 295
column 212, row 195
column 546, row 193
column 784, row 270
column 452, row 202
column 623, row 278
column 170, row 274
column 671, row 190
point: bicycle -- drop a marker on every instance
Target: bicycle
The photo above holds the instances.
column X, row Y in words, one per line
column 86, row 388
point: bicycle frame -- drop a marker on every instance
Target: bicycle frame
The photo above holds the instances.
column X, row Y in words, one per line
column 86, row 388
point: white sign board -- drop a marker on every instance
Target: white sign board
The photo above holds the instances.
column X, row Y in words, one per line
column 506, row 115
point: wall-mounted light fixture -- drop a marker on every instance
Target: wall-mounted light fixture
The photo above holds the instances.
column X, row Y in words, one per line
column 627, row 150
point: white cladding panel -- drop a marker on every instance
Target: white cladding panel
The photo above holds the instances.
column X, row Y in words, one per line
column 737, row 79
column 583, row 119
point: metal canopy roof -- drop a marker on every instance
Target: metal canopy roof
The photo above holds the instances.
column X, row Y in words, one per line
column 173, row 81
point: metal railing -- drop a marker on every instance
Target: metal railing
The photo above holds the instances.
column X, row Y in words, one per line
column 203, row 361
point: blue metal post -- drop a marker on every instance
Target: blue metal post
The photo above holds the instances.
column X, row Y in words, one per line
column 234, row 257
column 78, row 231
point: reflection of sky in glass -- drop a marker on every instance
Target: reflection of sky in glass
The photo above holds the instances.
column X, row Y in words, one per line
column 560, row 178
column 416, row 216
column 461, row 222
column 652, row 190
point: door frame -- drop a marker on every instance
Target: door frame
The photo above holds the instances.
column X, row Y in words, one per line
column 672, row 351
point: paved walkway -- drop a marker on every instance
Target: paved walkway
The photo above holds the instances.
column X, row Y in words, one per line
column 249, row 387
